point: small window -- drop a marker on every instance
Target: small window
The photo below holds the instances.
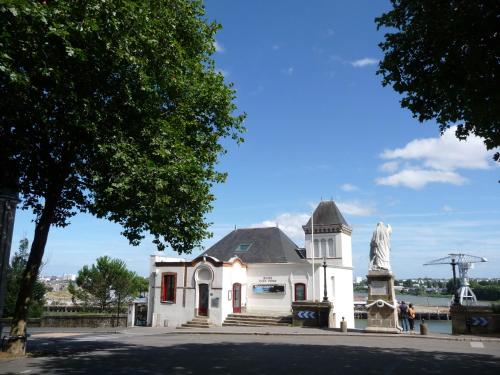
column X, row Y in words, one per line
column 300, row 292
column 242, row 247
column 168, row 287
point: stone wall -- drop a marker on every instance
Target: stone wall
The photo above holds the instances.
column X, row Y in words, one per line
column 475, row 320
column 76, row 321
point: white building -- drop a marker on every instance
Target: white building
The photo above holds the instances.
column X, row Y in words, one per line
column 257, row 270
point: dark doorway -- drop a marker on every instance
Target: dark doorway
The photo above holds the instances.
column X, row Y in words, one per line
column 203, row 299
column 236, row 298
column 141, row 311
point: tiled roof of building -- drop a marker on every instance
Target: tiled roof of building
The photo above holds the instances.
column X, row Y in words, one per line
column 256, row 245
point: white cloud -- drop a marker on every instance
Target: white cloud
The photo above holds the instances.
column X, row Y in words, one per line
column 418, row 178
column 389, row 167
column 367, row 61
column 349, row 187
column 445, row 152
column 434, row 160
column 446, row 208
column 219, row 47
column 356, row 208
column 290, row 223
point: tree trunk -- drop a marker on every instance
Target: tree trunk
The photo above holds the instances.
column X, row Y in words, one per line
column 118, row 312
column 17, row 345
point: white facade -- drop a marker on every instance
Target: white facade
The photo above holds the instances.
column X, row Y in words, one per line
column 266, row 287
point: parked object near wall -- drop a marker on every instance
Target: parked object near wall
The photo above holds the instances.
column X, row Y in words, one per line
column 474, row 320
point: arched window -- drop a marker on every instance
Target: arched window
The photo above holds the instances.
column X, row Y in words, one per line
column 300, row 292
column 323, row 248
column 316, row 249
column 331, row 248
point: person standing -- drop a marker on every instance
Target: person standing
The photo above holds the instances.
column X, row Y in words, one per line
column 403, row 314
column 411, row 317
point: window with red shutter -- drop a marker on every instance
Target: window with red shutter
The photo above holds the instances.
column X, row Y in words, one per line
column 168, row 287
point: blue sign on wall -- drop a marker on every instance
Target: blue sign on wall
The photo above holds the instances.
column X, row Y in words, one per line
column 306, row 315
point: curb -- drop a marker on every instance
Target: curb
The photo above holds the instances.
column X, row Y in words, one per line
column 337, row 334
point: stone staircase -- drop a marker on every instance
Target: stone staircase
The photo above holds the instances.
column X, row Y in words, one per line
column 197, row 322
column 256, row 320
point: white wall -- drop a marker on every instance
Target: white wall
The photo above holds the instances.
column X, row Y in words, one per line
column 219, row 282
column 279, row 273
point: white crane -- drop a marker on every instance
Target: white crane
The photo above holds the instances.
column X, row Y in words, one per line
column 464, row 262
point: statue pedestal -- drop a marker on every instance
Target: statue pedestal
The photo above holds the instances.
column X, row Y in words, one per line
column 381, row 305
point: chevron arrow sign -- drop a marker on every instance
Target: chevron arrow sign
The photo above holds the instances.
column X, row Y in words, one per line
column 306, row 314
column 479, row 321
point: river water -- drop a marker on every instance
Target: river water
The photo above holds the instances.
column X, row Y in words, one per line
column 419, row 300
column 433, row 326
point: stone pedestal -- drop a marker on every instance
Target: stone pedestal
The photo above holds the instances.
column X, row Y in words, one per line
column 381, row 305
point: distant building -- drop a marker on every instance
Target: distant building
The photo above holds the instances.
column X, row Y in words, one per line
column 257, row 270
column 69, row 277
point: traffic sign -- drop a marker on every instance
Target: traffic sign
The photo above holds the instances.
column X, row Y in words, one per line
column 479, row 321
column 306, row 315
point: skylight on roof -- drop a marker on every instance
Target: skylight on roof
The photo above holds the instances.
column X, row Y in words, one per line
column 242, row 247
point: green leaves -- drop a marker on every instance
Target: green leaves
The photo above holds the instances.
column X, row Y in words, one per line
column 106, row 283
column 116, row 104
column 442, row 56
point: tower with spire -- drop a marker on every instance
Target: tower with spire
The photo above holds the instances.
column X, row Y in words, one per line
column 328, row 240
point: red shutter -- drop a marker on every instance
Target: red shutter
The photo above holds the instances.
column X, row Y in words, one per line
column 163, row 294
column 168, row 287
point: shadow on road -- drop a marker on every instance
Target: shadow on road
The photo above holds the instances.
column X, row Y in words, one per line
column 66, row 357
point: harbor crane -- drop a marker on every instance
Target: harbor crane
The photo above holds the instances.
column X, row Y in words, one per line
column 465, row 262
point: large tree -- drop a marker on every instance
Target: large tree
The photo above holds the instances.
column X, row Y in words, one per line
column 443, row 57
column 14, row 277
column 111, row 107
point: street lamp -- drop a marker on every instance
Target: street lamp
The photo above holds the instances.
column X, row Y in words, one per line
column 325, row 296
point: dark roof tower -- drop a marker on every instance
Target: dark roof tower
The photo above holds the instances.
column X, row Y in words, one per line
column 327, row 219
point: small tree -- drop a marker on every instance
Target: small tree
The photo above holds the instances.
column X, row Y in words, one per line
column 106, row 283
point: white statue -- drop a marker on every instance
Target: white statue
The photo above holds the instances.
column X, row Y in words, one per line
column 380, row 247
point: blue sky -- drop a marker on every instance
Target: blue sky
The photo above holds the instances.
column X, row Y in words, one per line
column 320, row 126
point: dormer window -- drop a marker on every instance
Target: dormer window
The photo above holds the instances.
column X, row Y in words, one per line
column 243, row 247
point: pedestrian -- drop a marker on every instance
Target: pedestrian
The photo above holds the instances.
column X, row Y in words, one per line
column 403, row 314
column 411, row 317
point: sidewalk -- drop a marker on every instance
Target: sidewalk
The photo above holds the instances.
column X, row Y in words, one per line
column 296, row 331
column 264, row 331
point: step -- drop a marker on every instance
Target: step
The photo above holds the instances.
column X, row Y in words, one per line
column 252, row 316
column 260, row 321
column 253, row 324
column 263, row 321
column 195, row 325
column 263, row 317
column 266, row 319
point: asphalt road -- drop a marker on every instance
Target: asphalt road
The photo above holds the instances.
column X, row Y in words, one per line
column 132, row 352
